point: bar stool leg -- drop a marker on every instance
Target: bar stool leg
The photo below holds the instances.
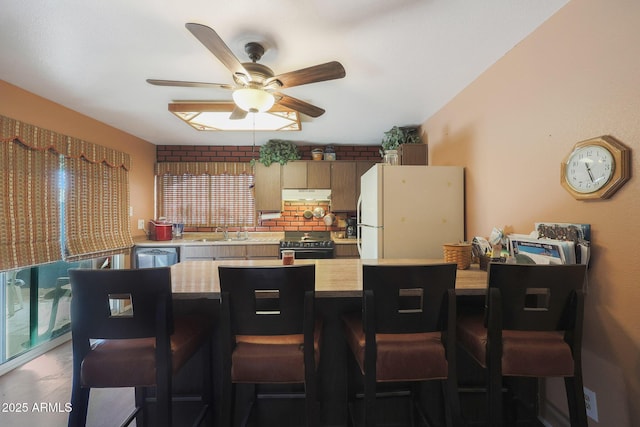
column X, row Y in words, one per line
column 575, row 400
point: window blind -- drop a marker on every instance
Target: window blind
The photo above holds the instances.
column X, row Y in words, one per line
column 30, row 231
column 96, row 196
column 206, row 194
column 96, row 210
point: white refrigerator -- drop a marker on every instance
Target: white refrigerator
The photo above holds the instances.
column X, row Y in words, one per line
column 410, row 211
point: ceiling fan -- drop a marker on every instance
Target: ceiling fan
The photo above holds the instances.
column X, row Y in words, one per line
column 256, row 87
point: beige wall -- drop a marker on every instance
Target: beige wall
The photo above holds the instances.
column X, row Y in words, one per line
column 29, row 108
column 576, row 77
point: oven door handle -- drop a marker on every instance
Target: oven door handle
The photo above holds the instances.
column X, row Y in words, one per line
column 300, row 252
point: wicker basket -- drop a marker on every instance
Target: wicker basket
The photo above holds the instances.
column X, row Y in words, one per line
column 460, row 253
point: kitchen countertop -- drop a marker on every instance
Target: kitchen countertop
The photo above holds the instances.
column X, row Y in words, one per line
column 344, row 241
column 195, row 239
column 334, row 277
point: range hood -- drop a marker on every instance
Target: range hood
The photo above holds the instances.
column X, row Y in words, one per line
column 306, row 194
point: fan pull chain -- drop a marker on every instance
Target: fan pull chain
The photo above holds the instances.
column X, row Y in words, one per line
column 253, row 147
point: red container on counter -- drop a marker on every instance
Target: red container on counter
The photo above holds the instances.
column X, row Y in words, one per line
column 160, row 230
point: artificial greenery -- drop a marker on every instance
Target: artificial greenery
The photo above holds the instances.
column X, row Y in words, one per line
column 396, row 136
column 278, row 151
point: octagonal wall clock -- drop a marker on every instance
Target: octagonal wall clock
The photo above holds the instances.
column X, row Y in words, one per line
column 596, row 168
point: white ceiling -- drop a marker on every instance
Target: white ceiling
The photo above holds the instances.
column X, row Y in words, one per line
column 404, row 59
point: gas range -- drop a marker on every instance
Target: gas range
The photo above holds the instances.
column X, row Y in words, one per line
column 309, row 245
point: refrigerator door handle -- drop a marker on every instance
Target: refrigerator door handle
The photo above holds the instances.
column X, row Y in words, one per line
column 370, row 226
column 359, row 226
column 358, row 241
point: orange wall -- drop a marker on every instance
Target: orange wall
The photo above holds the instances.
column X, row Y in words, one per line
column 29, row 108
column 576, row 77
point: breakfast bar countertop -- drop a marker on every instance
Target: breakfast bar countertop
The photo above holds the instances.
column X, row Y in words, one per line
column 334, row 277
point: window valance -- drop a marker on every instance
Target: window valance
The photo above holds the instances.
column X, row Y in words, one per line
column 204, row 168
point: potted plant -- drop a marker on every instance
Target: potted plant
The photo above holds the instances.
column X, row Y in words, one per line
column 278, row 151
column 400, row 135
column 396, row 136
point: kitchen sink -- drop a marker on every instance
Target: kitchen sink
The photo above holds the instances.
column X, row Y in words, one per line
column 222, row 239
column 235, row 239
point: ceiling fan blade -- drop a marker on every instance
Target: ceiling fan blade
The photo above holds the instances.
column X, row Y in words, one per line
column 180, row 83
column 317, row 73
column 237, row 114
column 212, row 41
column 298, row 105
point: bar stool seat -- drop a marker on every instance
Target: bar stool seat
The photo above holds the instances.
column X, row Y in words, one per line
column 401, row 357
column 525, row 353
column 132, row 362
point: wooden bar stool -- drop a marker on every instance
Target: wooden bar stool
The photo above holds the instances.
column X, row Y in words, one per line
column 270, row 334
column 406, row 333
column 124, row 335
column 531, row 327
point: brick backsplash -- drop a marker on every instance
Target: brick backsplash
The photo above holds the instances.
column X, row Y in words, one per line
column 292, row 219
column 233, row 153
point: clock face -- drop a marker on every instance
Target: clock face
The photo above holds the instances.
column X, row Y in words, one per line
column 589, row 168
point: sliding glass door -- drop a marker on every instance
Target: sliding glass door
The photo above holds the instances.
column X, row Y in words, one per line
column 36, row 304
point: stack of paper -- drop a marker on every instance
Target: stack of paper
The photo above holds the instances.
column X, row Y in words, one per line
column 553, row 243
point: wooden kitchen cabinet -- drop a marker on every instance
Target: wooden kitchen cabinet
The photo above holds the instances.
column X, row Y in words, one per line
column 263, row 251
column 412, row 154
column 222, row 252
column 319, row 174
column 346, row 251
column 268, row 192
column 197, row 253
column 306, row 174
column 213, row 252
column 343, row 186
column 294, row 174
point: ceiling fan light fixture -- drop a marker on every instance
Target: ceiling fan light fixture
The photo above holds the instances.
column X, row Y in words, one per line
column 216, row 116
column 253, row 100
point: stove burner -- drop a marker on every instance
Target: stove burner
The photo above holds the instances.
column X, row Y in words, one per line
column 312, row 239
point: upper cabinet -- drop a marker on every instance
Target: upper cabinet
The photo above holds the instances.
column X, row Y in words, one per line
column 413, row 154
column 319, row 174
column 294, row 175
column 306, row 174
column 268, row 192
column 345, row 184
column 342, row 177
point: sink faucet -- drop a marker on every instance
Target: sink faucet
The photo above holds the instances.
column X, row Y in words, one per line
column 225, row 232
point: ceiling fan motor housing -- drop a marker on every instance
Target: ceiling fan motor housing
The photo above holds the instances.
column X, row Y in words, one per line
column 259, row 74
